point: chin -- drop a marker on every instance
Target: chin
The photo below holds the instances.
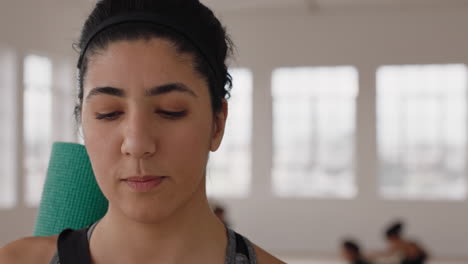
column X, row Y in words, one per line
column 146, row 217
column 153, row 208
column 147, row 212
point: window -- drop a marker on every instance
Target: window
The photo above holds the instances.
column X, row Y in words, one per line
column 37, row 124
column 422, row 129
column 313, row 131
column 7, row 133
column 229, row 168
column 64, row 126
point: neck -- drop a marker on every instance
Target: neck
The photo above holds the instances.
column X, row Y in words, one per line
column 191, row 232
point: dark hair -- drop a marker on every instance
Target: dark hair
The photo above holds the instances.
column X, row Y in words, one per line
column 352, row 247
column 218, row 209
column 394, row 230
column 221, row 46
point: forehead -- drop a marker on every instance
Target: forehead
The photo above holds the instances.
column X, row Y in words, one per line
column 142, row 63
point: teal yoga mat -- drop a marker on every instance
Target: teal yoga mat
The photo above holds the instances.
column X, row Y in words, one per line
column 71, row 197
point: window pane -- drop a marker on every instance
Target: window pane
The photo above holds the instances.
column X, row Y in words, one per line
column 229, row 168
column 314, row 124
column 37, row 124
column 7, row 133
column 422, row 126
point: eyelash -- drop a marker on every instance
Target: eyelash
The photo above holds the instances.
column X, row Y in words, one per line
column 108, row 116
column 172, row 115
column 166, row 114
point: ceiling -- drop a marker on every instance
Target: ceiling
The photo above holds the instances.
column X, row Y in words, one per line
column 242, row 5
column 234, row 6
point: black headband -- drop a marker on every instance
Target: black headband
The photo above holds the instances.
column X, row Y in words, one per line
column 182, row 26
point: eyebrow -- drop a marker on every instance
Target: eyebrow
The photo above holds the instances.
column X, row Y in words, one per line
column 155, row 91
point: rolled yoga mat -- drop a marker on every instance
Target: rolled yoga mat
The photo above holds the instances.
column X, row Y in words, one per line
column 71, row 197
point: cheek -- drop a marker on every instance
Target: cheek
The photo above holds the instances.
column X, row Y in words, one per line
column 103, row 151
column 188, row 146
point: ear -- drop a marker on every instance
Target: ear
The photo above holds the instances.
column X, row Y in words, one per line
column 219, row 123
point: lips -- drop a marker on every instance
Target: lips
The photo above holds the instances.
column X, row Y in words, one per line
column 144, row 183
column 143, row 178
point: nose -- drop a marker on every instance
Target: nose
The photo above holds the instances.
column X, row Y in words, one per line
column 139, row 140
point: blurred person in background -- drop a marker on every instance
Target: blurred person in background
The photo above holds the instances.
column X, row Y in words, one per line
column 414, row 254
column 351, row 252
column 220, row 212
column 399, row 250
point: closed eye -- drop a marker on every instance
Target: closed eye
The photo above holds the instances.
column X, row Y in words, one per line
column 108, row 116
column 172, row 115
column 166, row 114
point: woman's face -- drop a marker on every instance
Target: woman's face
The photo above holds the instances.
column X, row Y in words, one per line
column 147, row 112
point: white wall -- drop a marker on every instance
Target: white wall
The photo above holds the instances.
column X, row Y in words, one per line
column 45, row 28
column 266, row 40
column 365, row 39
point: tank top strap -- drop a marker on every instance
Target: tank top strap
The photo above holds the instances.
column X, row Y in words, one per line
column 73, row 246
column 239, row 250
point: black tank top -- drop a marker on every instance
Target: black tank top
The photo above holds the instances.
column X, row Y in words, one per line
column 73, row 248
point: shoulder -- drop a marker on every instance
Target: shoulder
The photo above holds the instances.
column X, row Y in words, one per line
column 29, row 250
column 264, row 257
